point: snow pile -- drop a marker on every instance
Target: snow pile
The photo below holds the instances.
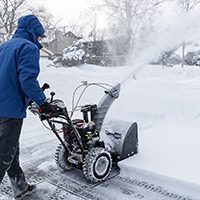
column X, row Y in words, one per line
column 75, row 54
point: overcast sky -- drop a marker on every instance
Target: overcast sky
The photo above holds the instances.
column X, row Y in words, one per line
column 67, row 10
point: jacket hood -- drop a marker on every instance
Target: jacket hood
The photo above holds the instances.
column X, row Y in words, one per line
column 29, row 27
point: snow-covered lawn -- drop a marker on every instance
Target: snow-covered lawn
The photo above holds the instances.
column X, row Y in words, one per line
column 164, row 102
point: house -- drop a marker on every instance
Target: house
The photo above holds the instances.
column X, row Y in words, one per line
column 60, row 42
column 98, row 52
column 108, row 51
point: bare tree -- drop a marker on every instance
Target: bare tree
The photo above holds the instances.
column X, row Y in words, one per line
column 128, row 15
column 186, row 7
column 9, row 12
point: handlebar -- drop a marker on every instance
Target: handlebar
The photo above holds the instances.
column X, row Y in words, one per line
column 58, row 109
column 57, row 105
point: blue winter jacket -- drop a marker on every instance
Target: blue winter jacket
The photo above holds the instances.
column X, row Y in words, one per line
column 19, row 69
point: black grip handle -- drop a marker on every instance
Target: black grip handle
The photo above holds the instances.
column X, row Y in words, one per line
column 45, row 86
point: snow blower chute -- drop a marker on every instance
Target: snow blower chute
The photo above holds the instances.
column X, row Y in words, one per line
column 82, row 146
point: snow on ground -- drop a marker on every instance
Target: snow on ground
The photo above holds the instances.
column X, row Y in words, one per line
column 163, row 101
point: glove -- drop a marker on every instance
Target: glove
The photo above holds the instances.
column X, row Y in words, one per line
column 45, row 108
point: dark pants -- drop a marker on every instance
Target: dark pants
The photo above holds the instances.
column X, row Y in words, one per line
column 10, row 130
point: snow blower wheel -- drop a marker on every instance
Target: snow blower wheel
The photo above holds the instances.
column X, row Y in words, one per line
column 97, row 164
column 61, row 157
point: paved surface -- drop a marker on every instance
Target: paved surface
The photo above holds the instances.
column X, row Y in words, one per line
column 54, row 184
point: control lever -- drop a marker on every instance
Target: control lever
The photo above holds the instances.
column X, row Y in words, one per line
column 45, row 86
column 52, row 95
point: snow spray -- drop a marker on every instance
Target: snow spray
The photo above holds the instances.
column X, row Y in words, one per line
column 170, row 31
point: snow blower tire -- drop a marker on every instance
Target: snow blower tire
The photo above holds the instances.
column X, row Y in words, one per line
column 97, row 165
column 61, row 157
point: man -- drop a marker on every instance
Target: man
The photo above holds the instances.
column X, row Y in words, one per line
column 19, row 69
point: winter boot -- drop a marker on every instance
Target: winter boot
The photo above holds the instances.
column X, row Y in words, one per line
column 29, row 190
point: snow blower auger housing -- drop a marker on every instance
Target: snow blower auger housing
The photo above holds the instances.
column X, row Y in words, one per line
column 81, row 145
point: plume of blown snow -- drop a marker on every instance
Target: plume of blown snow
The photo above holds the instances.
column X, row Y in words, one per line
column 171, row 29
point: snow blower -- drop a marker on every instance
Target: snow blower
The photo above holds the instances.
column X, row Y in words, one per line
column 81, row 145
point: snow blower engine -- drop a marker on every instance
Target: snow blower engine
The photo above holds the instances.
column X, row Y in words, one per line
column 81, row 145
